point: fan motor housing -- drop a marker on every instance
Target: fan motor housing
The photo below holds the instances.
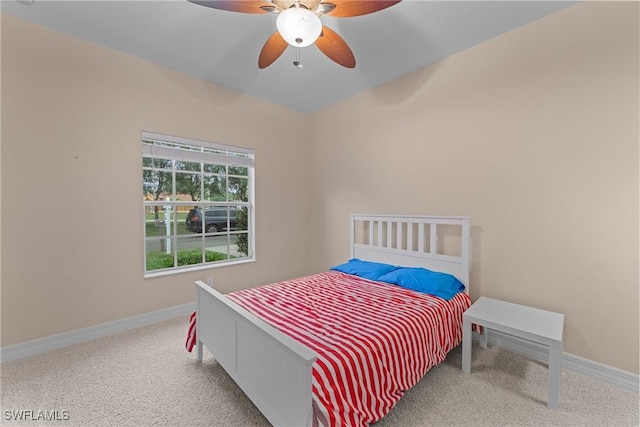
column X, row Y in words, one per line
column 286, row 4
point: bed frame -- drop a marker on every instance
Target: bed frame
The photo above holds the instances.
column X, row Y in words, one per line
column 274, row 370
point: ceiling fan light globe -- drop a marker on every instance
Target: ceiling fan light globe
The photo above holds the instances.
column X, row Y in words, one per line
column 298, row 26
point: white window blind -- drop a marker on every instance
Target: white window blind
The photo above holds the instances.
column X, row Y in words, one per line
column 171, row 147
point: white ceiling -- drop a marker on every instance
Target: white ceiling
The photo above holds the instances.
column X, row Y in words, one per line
column 223, row 47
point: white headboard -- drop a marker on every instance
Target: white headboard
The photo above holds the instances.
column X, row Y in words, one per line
column 411, row 241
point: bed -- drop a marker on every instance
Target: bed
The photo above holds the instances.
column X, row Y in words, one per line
column 285, row 366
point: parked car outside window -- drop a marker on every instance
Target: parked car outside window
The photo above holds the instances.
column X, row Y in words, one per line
column 215, row 219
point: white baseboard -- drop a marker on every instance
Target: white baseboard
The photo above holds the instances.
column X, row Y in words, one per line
column 571, row 362
column 54, row 342
column 530, row 349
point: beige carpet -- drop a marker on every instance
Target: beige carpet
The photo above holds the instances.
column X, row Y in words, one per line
column 144, row 377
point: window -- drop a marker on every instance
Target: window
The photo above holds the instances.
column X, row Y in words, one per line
column 198, row 204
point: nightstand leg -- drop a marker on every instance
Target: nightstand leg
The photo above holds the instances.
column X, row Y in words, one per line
column 484, row 336
column 555, row 371
column 466, row 347
column 198, row 350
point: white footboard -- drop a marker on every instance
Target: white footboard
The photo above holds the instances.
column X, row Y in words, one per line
column 272, row 369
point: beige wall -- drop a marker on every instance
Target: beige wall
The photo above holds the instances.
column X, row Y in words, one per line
column 534, row 135
column 72, row 116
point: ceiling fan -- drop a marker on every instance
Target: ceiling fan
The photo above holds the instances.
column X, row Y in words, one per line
column 298, row 24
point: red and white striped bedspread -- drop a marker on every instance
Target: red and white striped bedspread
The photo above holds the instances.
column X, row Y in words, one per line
column 374, row 340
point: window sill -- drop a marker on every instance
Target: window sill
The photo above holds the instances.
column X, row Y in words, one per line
column 198, row 267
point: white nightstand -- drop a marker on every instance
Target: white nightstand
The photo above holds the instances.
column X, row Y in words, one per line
column 540, row 326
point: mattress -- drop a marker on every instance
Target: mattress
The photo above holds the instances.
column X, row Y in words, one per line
column 374, row 340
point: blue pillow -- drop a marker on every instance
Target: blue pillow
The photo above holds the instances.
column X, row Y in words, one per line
column 419, row 279
column 367, row 269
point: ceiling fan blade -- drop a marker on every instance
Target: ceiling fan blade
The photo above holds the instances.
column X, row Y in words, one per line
column 332, row 45
column 272, row 50
column 346, row 8
column 244, row 6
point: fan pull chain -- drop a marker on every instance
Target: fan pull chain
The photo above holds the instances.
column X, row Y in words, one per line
column 297, row 62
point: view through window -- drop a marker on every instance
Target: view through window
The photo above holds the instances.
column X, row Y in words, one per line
column 198, row 204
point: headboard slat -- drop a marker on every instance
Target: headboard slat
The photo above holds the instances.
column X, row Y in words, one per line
column 409, row 236
column 433, row 239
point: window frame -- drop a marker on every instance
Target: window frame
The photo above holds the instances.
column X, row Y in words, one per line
column 181, row 151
